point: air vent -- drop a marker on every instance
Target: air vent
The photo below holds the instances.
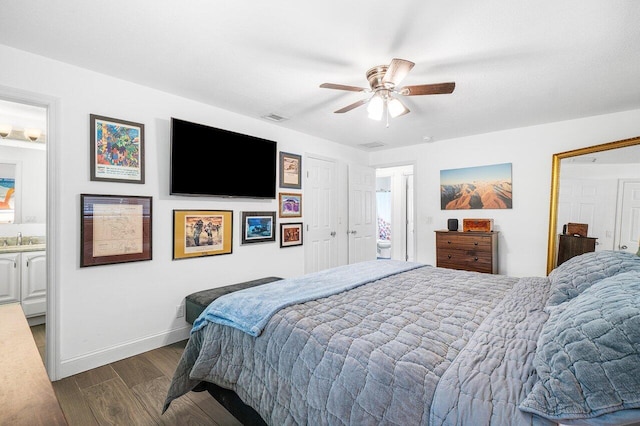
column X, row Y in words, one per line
column 274, row 117
column 372, row 144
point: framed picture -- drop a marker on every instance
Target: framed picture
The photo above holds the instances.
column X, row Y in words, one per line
column 258, row 227
column 290, row 204
column 290, row 234
column 114, row 229
column 481, row 187
column 290, row 166
column 198, row 233
column 117, row 150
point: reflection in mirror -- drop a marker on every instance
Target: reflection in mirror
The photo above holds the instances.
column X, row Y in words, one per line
column 595, row 186
column 7, row 192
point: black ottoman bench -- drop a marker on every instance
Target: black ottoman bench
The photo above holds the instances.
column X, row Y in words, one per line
column 196, row 302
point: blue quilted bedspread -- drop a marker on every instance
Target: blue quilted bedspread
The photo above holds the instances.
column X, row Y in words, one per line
column 250, row 309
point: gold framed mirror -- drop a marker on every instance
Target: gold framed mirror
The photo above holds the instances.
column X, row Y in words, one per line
column 555, row 188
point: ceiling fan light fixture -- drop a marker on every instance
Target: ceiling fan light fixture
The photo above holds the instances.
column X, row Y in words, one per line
column 375, row 109
column 396, row 108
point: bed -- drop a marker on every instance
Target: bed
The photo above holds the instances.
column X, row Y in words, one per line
column 402, row 343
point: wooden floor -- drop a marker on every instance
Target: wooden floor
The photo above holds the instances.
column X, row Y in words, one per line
column 132, row 392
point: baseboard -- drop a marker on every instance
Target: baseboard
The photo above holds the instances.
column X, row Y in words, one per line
column 92, row 360
column 40, row 319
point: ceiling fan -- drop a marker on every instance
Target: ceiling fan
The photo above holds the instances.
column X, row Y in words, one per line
column 383, row 82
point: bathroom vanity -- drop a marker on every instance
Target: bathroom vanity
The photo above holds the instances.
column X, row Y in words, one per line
column 23, row 273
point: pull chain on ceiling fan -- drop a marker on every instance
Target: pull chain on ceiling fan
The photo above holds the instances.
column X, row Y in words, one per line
column 383, row 82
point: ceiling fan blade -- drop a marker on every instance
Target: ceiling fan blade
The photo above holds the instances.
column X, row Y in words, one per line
column 342, row 87
column 428, row 89
column 352, row 106
column 398, row 69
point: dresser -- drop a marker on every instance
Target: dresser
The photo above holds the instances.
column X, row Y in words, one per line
column 570, row 246
column 469, row 251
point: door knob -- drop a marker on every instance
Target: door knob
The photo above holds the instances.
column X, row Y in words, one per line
column 333, row 233
column 624, row 247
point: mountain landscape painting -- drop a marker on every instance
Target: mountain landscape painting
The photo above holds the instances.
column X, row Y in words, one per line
column 482, row 187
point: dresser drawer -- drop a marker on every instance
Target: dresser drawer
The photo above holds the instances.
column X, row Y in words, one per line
column 468, row 260
column 464, row 241
column 469, row 251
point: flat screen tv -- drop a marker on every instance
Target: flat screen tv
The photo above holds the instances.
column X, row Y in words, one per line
column 211, row 162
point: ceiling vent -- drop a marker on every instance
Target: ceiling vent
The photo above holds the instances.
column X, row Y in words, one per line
column 274, row 117
column 372, row 144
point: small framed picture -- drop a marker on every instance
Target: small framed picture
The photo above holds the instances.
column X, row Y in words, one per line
column 198, row 233
column 117, row 150
column 290, row 234
column 114, row 229
column 290, row 166
column 290, row 204
column 258, row 227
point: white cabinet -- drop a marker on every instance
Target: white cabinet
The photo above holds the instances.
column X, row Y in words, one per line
column 34, row 283
column 23, row 278
column 9, row 277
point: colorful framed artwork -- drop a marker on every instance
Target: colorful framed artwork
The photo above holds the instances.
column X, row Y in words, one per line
column 290, row 204
column 114, row 229
column 482, row 187
column 290, row 166
column 198, row 233
column 117, row 150
column 8, row 192
column 258, row 227
column 290, row 234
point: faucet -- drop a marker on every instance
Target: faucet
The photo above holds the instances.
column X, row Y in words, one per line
column 19, row 240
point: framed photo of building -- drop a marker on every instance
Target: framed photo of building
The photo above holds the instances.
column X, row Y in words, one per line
column 290, row 234
column 258, row 227
column 290, row 167
column 114, row 229
column 198, row 233
column 117, row 150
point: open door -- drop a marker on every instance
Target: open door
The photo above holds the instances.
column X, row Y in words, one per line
column 362, row 213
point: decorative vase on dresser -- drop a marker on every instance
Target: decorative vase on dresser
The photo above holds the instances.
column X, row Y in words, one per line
column 469, row 251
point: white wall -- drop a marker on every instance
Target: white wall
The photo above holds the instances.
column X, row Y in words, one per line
column 524, row 228
column 110, row 312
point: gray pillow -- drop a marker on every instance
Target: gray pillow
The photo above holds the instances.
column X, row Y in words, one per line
column 588, row 354
column 579, row 273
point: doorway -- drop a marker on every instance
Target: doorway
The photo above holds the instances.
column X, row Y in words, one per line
column 395, row 213
column 41, row 221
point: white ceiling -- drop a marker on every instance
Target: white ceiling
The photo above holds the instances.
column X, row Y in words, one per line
column 515, row 63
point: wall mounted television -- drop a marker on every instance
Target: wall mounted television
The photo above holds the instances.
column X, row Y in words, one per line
column 211, row 162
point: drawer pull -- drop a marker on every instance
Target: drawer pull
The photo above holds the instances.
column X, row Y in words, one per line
column 475, row 258
column 475, row 243
column 448, row 242
column 449, row 256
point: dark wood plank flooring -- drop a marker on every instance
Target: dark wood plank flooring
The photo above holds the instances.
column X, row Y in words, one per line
column 132, row 392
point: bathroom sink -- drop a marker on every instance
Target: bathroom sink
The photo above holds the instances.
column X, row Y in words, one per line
column 22, row 248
